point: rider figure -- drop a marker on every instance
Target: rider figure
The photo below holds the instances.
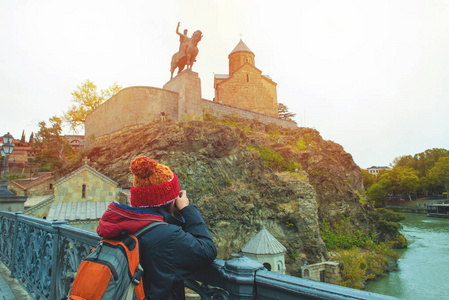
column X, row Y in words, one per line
column 183, row 40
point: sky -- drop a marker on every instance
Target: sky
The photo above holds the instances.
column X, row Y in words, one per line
column 372, row 76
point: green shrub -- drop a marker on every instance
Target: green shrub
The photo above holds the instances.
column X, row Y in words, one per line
column 342, row 235
column 360, row 257
column 388, row 215
column 300, row 145
column 275, row 160
column 387, row 227
column 362, row 197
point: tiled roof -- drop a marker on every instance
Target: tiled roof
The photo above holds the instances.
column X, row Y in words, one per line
column 264, row 243
column 76, row 211
column 221, row 76
column 267, row 76
column 241, row 47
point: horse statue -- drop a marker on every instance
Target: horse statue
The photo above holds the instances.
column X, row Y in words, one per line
column 186, row 55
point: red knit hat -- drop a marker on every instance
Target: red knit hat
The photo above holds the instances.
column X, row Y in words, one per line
column 154, row 184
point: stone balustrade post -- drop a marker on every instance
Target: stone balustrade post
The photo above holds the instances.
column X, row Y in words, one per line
column 241, row 273
column 55, row 256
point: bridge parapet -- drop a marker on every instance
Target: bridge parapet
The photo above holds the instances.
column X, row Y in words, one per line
column 43, row 256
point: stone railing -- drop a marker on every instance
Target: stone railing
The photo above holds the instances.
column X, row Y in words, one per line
column 43, row 255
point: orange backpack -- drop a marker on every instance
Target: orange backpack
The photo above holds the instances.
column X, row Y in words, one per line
column 112, row 270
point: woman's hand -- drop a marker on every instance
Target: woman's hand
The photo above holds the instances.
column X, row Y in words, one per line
column 182, row 201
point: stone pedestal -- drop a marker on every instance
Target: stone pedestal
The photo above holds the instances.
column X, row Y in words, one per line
column 12, row 203
column 188, row 85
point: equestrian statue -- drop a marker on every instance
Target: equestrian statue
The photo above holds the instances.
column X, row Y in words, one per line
column 187, row 51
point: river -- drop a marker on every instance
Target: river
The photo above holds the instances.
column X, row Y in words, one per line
column 424, row 265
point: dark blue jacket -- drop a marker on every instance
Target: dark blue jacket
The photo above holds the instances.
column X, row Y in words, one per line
column 168, row 254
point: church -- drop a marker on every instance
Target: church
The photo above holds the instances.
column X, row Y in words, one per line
column 245, row 87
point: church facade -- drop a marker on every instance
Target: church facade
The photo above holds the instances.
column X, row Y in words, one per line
column 245, row 87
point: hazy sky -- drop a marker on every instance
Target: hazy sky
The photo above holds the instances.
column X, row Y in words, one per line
column 372, row 76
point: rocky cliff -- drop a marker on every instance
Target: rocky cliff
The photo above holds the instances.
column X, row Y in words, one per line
column 241, row 173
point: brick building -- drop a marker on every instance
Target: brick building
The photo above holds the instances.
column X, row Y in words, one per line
column 33, row 186
column 76, row 141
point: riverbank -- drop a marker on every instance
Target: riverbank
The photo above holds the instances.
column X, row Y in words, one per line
column 363, row 257
column 423, row 270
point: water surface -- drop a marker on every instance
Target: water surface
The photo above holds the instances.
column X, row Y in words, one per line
column 424, row 265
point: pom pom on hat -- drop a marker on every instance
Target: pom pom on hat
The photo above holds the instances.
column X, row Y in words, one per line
column 143, row 167
column 153, row 184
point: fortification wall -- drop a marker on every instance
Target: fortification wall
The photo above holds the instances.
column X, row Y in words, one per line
column 131, row 106
column 220, row 110
column 136, row 106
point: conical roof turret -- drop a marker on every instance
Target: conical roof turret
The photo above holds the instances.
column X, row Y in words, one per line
column 241, row 46
column 240, row 56
column 264, row 243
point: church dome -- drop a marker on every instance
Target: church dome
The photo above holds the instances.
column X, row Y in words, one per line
column 241, row 47
column 263, row 243
column 239, row 56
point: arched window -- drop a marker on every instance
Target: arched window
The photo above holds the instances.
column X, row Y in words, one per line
column 306, row 273
column 51, row 186
column 247, row 77
column 267, row 266
column 83, row 192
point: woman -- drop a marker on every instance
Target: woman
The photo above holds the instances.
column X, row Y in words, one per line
column 168, row 252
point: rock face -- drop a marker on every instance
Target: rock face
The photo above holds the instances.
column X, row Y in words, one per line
column 332, row 172
column 234, row 188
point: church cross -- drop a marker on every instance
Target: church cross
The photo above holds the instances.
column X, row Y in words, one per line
column 86, row 160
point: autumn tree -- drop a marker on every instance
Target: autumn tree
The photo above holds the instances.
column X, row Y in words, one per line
column 284, row 113
column 53, row 148
column 440, row 173
column 87, row 99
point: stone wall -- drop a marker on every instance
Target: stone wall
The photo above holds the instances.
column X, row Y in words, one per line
column 15, row 189
column 220, row 110
column 330, row 269
column 180, row 99
column 131, row 106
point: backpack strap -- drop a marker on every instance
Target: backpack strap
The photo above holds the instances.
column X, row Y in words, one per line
column 147, row 228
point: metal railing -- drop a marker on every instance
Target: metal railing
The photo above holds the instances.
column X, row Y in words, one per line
column 43, row 255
